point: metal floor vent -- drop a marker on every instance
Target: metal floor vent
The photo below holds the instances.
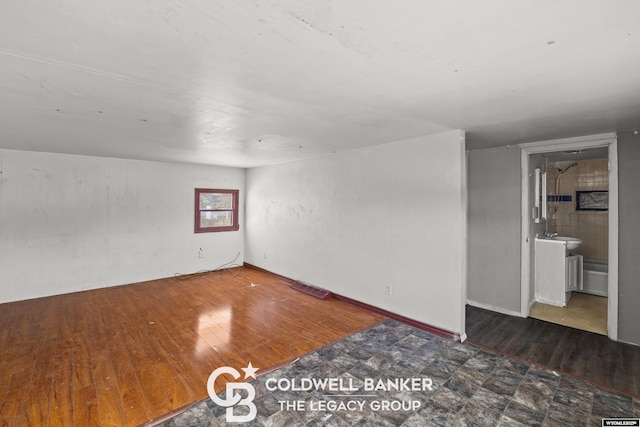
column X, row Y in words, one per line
column 311, row 290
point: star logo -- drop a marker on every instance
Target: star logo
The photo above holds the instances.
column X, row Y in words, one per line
column 250, row 371
column 231, row 399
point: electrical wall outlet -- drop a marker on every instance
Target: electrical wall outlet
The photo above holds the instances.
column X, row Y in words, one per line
column 388, row 290
column 200, row 253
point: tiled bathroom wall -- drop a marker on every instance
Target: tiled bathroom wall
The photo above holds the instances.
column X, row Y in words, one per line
column 562, row 216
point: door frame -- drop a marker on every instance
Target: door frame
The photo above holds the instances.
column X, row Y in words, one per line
column 592, row 141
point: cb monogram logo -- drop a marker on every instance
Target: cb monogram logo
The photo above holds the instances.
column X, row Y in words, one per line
column 233, row 399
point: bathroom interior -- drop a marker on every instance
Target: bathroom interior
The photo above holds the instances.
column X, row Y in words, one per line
column 574, row 247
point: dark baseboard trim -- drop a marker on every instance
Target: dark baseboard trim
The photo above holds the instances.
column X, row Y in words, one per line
column 283, row 278
column 424, row 326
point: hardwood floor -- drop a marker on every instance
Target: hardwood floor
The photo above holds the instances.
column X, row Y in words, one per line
column 589, row 356
column 122, row 356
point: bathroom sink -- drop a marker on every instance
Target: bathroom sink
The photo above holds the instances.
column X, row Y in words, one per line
column 572, row 242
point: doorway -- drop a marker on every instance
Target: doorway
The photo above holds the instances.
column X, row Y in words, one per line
column 570, row 166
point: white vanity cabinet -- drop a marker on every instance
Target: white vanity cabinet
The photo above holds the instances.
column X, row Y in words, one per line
column 556, row 273
column 573, row 273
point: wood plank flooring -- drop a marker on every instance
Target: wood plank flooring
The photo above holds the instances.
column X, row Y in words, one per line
column 590, row 356
column 122, row 356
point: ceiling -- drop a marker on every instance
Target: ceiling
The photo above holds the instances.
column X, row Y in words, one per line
column 248, row 83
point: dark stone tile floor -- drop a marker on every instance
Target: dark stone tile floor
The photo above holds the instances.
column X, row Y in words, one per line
column 471, row 386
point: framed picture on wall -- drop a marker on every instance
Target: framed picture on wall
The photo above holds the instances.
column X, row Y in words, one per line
column 592, row 200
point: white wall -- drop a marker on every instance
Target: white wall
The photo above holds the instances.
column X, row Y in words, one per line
column 494, row 229
column 70, row 223
column 629, row 235
column 357, row 221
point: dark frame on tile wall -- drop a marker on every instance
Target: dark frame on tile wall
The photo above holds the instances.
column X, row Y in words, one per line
column 592, row 200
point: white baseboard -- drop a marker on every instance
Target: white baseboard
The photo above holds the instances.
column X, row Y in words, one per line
column 494, row 308
column 548, row 302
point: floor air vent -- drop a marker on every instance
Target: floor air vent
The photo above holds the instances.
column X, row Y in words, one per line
column 311, row 290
